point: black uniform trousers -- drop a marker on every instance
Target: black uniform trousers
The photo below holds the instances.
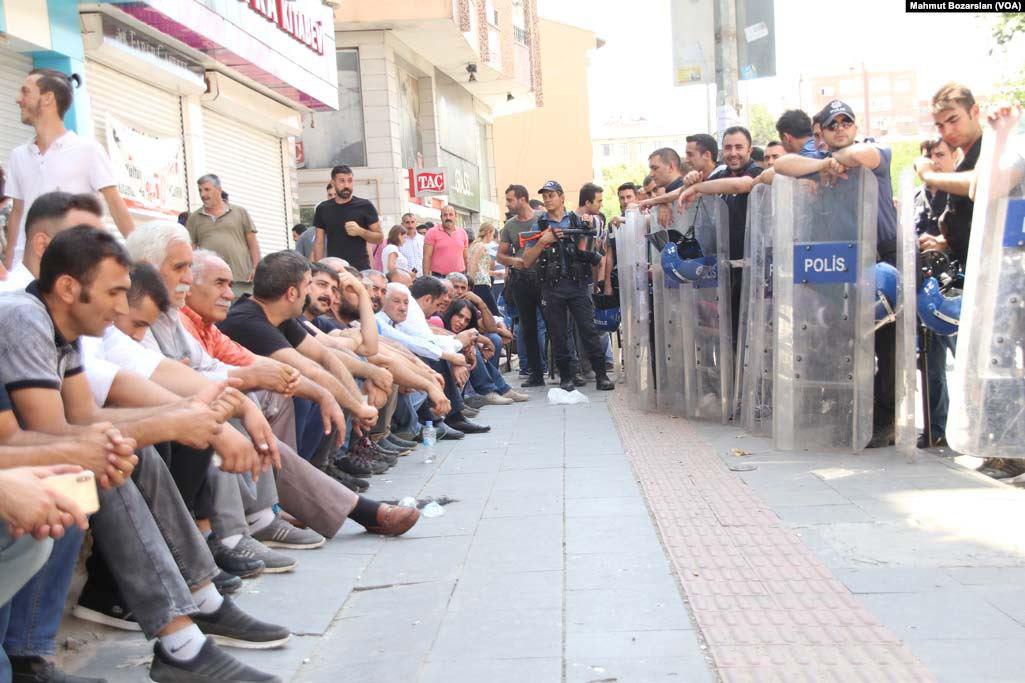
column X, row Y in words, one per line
column 572, row 298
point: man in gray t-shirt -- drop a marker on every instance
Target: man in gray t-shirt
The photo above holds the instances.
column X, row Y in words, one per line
column 522, row 284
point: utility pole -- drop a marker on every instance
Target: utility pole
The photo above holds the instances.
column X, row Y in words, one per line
column 726, row 99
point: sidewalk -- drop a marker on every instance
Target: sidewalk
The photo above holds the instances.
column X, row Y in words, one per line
column 547, row 568
column 555, row 565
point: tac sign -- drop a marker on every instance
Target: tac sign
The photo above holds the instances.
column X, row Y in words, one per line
column 424, row 182
column 825, row 262
column 1014, row 224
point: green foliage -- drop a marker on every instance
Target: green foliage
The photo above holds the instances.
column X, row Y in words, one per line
column 614, row 176
column 904, row 154
column 761, row 124
column 1006, row 29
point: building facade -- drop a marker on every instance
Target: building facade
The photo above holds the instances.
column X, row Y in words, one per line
column 420, row 86
column 175, row 89
column 554, row 140
column 894, row 107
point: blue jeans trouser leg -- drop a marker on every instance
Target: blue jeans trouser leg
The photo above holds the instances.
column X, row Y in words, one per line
column 19, row 561
column 936, row 376
column 480, row 378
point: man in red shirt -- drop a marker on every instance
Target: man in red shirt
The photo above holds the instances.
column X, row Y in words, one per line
column 446, row 246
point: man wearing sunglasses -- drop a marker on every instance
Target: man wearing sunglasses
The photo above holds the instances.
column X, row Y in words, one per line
column 838, row 132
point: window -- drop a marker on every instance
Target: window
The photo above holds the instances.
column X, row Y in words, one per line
column 606, row 150
column 337, row 137
column 410, row 138
column 490, row 13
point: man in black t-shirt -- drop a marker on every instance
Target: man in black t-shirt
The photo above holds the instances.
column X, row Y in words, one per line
column 346, row 225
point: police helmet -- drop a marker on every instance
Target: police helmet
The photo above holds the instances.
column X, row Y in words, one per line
column 887, row 283
column 684, row 263
column 607, row 319
column 937, row 311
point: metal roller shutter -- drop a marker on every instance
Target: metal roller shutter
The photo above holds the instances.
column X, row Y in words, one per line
column 250, row 166
column 139, row 105
column 13, row 69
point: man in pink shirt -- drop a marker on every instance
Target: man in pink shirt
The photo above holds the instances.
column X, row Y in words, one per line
column 445, row 246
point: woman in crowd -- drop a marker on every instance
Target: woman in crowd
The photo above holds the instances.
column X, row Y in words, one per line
column 485, row 378
column 391, row 257
column 481, row 263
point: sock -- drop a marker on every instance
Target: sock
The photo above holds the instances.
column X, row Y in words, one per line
column 207, row 599
column 260, row 520
column 231, row 541
column 365, row 512
column 185, row 644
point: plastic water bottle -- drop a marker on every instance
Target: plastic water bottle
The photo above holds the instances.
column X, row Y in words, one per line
column 430, row 436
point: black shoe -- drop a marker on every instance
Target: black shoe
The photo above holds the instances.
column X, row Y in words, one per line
column 467, row 427
column 101, row 607
column 447, row 431
column 233, row 562
column 399, row 442
column 211, row 664
column 567, row 384
column 401, row 447
column 578, row 380
column 354, row 466
column 603, row 383
column 230, row 626
column 385, row 456
column 38, row 670
column 226, row 583
column 534, row 381
column 882, row 437
column 354, row 484
column 938, row 442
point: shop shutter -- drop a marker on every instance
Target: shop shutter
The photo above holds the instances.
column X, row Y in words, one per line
column 13, row 69
column 249, row 164
column 139, row 105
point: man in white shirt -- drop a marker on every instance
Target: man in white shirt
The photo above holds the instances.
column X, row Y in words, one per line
column 413, row 246
column 56, row 159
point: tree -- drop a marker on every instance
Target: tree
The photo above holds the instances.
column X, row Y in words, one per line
column 614, row 176
column 1008, row 28
column 761, row 125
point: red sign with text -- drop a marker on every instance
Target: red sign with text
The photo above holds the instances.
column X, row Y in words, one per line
column 292, row 21
column 424, row 182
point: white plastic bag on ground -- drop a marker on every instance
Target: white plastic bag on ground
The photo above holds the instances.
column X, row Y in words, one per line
column 560, row 397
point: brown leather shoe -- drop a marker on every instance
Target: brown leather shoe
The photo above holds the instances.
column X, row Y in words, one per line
column 393, row 520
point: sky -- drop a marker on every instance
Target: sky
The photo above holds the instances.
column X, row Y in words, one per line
column 837, row 36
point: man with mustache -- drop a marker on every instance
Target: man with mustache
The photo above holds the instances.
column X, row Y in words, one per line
column 226, row 230
column 346, row 225
column 445, row 246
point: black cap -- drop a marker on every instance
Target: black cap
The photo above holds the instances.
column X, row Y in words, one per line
column 550, row 186
column 832, row 110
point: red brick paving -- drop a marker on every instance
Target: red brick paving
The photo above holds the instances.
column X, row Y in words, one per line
column 767, row 608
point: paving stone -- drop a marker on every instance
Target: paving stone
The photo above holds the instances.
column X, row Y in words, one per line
column 625, row 610
column 489, row 592
column 647, row 669
column 519, row 504
column 465, row 670
column 511, row 634
column 606, row 507
column 949, row 614
column 417, row 559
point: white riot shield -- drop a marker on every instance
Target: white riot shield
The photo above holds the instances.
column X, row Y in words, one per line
column 907, row 323
column 707, row 318
column 756, row 382
column 824, row 251
column 743, row 343
column 669, row 337
column 632, row 259
column 987, row 407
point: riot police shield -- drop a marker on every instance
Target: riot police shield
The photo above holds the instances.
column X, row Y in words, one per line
column 667, row 302
column 755, row 385
column 707, row 318
column 987, row 407
column 906, row 322
column 824, row 251
column 632, row 260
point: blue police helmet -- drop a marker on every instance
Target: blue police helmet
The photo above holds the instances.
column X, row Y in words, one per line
column 937, row 311
column 607, row 319
column 683, row 262
column 887, row 283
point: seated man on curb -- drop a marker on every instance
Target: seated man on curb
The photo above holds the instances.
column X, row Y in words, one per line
column 164, row 572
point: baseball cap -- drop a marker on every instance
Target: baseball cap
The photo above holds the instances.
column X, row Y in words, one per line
column 832, row 110
column 550, row 186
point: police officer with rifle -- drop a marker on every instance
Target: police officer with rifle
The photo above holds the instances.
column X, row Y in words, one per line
column 566, row 250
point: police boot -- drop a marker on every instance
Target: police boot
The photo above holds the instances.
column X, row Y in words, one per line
column 601, row 376
column 566, row 382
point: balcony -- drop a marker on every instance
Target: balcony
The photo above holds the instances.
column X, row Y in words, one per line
column 452, row 34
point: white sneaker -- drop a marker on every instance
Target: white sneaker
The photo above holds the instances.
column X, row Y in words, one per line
column 493, row 399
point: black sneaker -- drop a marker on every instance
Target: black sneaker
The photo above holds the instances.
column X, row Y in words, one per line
column 402, row 447
column 467, row 427
column 399, row 441
column 448, row 432
column 579, row 380
column 230, row 626
column 938, row 442
column 38, row 670
column 233, row 560
column 226, row 583
column 353, row 466
column 533, row 381
column 211, row 664
column 603, row 383
column 567, row 384
column 882, row 437
column 354, row 484
column 101, row 607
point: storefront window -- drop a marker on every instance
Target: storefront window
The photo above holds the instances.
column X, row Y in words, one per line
column 409, row 119
column 336, row 137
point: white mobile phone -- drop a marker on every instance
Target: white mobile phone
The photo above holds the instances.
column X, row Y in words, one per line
column 78, row 486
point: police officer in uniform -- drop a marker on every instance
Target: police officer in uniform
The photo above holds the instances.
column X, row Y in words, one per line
column 566, row 253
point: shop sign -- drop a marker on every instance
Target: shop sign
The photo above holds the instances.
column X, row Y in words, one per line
column 424, row 182
column 140, row 42
column 463, row 181
column 149, row 169
column 287, row 17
